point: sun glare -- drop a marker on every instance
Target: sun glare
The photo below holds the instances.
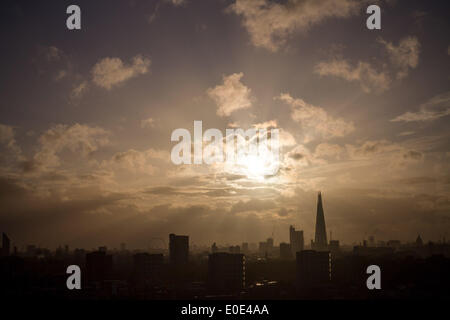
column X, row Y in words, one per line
column 256, row 167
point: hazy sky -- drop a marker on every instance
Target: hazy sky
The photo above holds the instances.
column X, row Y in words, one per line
column 87, row 116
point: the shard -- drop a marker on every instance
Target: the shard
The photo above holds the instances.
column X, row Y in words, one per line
column 320, row 242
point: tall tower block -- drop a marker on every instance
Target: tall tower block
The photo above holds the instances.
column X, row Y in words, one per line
column 321, row 242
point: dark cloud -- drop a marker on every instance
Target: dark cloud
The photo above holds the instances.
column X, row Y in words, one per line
column 253, row 205
column 418, row 180
column 412, row 154
column 296, row 156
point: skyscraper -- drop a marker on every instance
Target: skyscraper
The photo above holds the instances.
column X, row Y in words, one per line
column 285, row 251
column 269, row 246
column 244, row 248
column 226, row 272
column 320, row 242
column 296, row 240
column 5, row 245
column 99, row 266
column 178, row 249
column 313, row 268
column 148, row 267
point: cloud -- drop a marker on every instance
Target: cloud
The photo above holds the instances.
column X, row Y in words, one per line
column 405, row 56
column 7, row 135
column 283, row 212
column 266, row 125
column 298, row 157
column 328, row 150
column 413, row 155
column 176, row 3
column 315, row 120
column 252, row 205
column 417, row 180
column 285, row 137
column 406, row 133
column 435, row 108
column 130, row 166
column 51, row 53
column 402, row 58
column 363, row 73
column 131, row 160
column 148, row 123
column 270, row 23
column 7, row 138
column 52, row 60
column 371, row 148
column 79, row 90
column 78, row 139
column 231, row 96
column 396, row 154
column 60, row 75
column 110, row 72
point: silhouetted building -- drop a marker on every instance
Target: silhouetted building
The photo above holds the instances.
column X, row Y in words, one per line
column 226, row 272
column 6, row 245
column 320, row 242
column 178, row 249
column 372, row 251
column 148, row 266
column 263, row 249
column 79, row 256
column 214, row 248
column 334, row 246
column 285, row 251
column 419, row 241
column 31, row 250
column 371, row 241
column 270, row 247
column 98, row 266
column 296, row 240
column 235, row 249
column 394, row 244
column 313, row 268
column 245, row 248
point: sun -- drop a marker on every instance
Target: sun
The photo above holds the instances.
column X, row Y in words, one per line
column 256, row 167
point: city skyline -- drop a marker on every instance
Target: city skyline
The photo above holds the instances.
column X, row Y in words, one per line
column 296, row 242
column 86, row 118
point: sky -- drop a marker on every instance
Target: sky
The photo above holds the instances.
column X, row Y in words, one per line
column 86, row 118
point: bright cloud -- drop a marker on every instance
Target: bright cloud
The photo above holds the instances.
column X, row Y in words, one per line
column 404, row 56
column 78, row 138
column 315, row 120
column 231, row 96
column 435, row 108
column 148, row 123
column 110, row 72
column 363, row 73
column 270, row 23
